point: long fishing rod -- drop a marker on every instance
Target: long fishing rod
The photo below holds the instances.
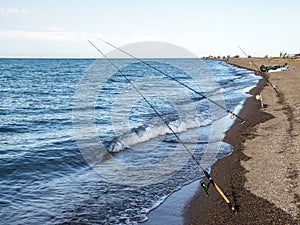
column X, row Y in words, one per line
column 211, row 181
column 263, row 75
column 172, row 78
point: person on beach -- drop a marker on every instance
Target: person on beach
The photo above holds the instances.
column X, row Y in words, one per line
column 227, row 59
column 264, row 68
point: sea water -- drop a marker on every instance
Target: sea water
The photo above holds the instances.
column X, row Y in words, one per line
column 53, row 110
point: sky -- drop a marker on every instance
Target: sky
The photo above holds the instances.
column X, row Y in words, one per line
column 61, row 28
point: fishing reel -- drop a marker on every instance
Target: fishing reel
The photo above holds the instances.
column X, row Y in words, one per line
column 205, row 187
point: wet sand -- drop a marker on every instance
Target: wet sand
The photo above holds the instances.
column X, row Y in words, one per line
column 261, row 176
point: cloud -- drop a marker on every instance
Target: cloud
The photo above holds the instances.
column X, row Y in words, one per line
column 50, row 34
column 13, row 11
column 37, row 35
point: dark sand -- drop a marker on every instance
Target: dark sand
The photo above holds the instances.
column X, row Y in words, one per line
column 258, row 199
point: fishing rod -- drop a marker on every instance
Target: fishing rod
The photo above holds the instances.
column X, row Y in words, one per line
column 172, row 78
column 211, row 181
column 263, row 74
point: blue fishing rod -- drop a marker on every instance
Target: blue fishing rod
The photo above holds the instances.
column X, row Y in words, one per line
column 203, row 184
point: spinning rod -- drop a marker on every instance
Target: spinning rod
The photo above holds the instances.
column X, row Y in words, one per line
column 172, row 78
column 262, row 73
column 211, row 181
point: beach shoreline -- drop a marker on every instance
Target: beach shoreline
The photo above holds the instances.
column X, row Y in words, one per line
column 245, row 189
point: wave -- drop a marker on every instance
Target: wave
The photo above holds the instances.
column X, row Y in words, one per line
column 10, row 130
column 154, row 130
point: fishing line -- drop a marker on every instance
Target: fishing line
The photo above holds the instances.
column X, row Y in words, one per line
column 211, row 181
column 181, row 83
column 258, row 70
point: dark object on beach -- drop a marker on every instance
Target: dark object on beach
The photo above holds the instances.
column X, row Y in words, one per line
column 264, row 68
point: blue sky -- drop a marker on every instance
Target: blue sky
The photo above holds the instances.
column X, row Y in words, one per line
column 54, row 28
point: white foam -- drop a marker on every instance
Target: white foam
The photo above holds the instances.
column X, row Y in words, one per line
column 153, row 131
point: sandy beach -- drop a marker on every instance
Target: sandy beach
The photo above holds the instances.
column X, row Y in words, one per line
column 261, row 176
